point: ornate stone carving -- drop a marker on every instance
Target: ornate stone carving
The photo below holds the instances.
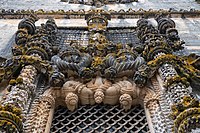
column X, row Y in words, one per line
column 101, row 57
column 173, row 70
column 99, row 3
column 125, row 101
column 99, row 96
column 71, row 101
column 10, row 119
column 38, row 116
column 100, row 91
column 80, row 14
column 97, row 20
column 29, row 55
column 186, row 115
column 101, row 72
column 17, row 99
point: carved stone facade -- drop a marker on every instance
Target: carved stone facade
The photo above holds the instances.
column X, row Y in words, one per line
column 45, row 73
column 98, row 3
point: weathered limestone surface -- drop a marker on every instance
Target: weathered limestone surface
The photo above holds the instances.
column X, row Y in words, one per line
column 56, row 4
column 188, row 28
column 189, row 31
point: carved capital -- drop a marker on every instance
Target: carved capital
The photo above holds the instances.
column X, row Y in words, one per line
column 49, row 99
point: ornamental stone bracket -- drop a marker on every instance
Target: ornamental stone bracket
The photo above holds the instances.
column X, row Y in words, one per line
column 99, row 90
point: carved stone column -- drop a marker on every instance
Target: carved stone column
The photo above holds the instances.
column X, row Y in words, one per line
column 160, row 43
column 174, row 92
column 41, row 114
column 13, row 107
column 153, row 110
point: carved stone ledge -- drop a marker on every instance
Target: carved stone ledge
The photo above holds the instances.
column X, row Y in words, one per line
column 99, row 90
column 99, row 3
column 80, row 14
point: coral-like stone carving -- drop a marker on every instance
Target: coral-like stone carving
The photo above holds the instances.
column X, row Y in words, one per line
column 186, row 115
column 17, row 99
column 38, row 117
column 10, row 118
column 100, row 57
column 30, row 52
column 175, row 72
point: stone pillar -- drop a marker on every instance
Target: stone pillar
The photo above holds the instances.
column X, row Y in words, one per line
column 160, row 43
column 13, row 107
column 154, row 113
column 41, row 114
column 175, row 92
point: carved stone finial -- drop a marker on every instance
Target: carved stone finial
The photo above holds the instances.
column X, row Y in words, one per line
column 125, row 101
column 71, row 101
column 99, row 96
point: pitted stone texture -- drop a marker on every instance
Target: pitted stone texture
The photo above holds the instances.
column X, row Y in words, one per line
column 7, row 37
column 175, row 91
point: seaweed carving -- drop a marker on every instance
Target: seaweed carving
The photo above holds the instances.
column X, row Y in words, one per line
column 100, row 57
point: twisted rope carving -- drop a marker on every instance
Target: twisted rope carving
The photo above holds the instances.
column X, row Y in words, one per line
column 110, row 61
column 116, row 67
column 130, row 65
column 64, row 65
